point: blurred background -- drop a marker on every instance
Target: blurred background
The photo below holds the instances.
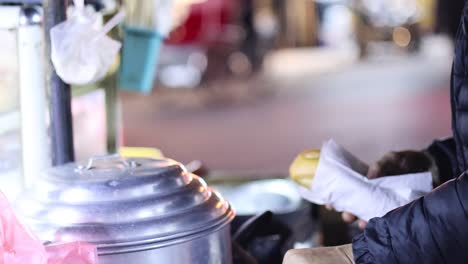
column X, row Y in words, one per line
column 246, row 85
column 241, row 87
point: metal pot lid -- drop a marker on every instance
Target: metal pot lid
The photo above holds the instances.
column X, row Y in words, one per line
column 117, row 202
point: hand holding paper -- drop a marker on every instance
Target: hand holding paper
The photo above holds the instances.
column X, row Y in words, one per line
column 339, row 180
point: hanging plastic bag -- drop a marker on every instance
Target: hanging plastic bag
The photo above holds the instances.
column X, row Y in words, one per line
column 19, row 246
column 81, row 51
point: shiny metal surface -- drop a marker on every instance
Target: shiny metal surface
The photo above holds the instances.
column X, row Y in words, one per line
column 126, row 205
column 212, row 248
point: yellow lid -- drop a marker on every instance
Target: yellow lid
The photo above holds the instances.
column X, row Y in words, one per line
column 303, row 168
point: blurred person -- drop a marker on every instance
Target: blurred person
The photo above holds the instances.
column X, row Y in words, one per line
column 431, row 229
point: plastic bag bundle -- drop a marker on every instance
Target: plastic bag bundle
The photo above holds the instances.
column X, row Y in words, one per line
column 19, row 246
column 81, row 51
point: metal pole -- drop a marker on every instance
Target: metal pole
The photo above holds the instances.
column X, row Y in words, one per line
column 61, row 127
column 112, row 105
column 112, row 113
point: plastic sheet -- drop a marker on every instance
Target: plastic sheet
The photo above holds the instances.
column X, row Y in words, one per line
column 71, row 253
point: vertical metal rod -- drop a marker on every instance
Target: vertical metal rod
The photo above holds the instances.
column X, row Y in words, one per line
column 112, row 105
column 112, row 113
column 61, row 127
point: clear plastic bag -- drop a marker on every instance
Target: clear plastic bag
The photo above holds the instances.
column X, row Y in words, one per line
column 80, row 50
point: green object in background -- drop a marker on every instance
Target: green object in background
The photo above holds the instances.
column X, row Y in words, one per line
column 140, row 55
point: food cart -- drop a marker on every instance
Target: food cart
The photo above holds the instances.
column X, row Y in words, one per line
column 40, row 152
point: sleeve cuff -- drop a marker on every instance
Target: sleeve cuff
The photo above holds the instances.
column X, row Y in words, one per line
column 361, row 252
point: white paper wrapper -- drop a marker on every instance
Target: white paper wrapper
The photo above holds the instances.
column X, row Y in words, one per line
column 340, row 181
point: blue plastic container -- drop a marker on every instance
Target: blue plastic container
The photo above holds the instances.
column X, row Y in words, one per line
column 140, row 55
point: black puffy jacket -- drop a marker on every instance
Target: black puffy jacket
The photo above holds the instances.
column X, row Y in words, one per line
column 434, row 228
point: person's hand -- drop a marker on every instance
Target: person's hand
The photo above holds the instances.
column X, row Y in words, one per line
column 393, row 163
column 402, row 162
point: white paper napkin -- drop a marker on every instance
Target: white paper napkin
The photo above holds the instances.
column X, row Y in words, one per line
column 340, row 181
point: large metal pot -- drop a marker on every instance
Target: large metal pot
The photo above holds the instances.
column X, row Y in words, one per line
column 136, row 211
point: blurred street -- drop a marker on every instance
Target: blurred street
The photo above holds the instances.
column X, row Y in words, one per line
column 91, row 90
column 303, row 97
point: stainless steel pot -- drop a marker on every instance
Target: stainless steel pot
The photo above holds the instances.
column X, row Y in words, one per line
column 135, row 210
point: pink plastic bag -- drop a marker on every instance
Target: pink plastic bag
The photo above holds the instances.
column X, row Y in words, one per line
column 72, row 253
column 18, row 246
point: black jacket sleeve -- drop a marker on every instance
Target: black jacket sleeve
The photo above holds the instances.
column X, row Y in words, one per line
column 444, row 154
column 429, row 230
